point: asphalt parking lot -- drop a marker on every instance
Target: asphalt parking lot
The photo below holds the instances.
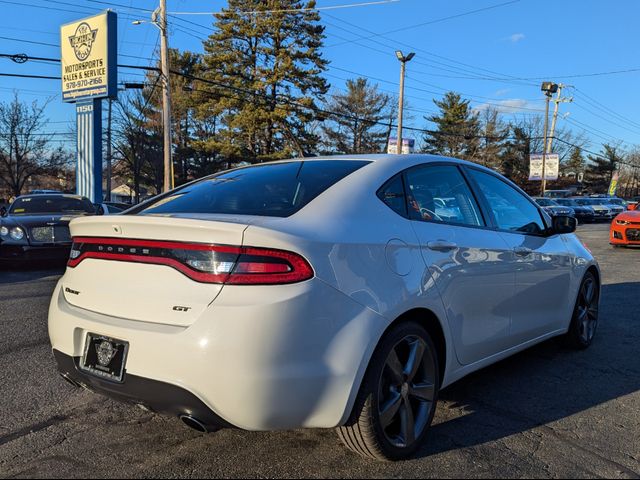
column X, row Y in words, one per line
column 547, row 412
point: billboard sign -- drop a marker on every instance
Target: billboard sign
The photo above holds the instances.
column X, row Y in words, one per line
column 89, row 58
column 552, row 168
column 408, row 145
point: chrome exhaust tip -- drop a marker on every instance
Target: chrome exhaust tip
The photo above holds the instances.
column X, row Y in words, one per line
column 70, row 381
column 194, row 423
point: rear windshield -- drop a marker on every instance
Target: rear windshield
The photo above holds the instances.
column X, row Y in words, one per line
column 273, row 190
column 45, row 204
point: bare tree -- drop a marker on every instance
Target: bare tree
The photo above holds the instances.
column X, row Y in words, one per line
column 136, row 148
column 25, row 150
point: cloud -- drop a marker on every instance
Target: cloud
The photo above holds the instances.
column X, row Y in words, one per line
column 513, row 105
column 502, row 92
column 516, row 37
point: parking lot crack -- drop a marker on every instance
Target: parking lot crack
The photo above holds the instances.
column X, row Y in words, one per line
column 35, row 428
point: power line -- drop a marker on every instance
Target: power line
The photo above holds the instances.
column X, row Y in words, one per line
column 608, row 120
column 22, row 40
column 431, row 22
column 22, row 75
column 294, row 10
column 500, row 77
column 598, row 104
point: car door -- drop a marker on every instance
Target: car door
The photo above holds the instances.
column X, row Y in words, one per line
column 542, row 261
column 466, row 259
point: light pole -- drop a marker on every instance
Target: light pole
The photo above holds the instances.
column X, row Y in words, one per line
column 159, row 19
column 549, row 88
column 403, row 63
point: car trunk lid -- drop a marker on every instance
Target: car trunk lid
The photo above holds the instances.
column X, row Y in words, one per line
column 134, row 287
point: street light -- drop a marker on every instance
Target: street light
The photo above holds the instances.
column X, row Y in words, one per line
column 549, row 88
column 403, row 62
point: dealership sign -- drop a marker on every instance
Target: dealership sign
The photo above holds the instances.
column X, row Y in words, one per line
column 88, row 52
column 89, row 59
column 552, row 166
column 408, row 145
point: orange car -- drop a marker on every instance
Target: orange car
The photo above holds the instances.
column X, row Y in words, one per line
column 625, row 228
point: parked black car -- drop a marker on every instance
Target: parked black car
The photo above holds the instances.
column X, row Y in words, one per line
column 583, row 213
column 36, row 227
column 553, row 208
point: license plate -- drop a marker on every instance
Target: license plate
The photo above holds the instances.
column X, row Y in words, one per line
column 105, row 357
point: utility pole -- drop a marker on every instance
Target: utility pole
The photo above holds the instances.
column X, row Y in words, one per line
column 166, row 96
column 403, row 63
column 108, row 196
column 549, row 88
column 558, row 100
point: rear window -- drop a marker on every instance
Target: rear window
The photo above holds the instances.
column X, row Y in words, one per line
column 273, row 190
column 45, row 204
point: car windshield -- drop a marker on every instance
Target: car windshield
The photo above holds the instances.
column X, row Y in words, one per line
column 565, row 202
column 46, row 204
column 276, row 190
column 616, row 201
column 545, row 202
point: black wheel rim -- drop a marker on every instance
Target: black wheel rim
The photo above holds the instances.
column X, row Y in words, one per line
column 588, row 310
column 406, row 391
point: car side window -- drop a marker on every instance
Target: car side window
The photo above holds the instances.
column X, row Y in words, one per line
column 511, row 209
column 439, row 193
column 392, row 193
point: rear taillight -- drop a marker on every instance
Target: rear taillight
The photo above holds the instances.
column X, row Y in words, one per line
column 204, row 263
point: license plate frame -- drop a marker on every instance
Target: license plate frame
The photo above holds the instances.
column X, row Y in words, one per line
column 105, row 357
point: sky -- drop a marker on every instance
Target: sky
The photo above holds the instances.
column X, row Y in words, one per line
column 493, row 52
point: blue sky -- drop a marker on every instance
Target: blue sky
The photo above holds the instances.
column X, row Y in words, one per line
column 496, row 56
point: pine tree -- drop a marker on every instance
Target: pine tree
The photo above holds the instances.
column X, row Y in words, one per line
column 602, row 168
column 264, row 65
column 493, row 133
column 575, row 165
column 186, row 97
column 515, row 157
column 355, row 128
column 457, row 129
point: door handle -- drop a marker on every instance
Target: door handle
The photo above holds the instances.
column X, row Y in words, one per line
column 441, row 246
column 522, row 251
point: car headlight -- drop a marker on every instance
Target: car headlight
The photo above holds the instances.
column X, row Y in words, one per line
column 4, row 231
column 16, row 233
column 622, row 222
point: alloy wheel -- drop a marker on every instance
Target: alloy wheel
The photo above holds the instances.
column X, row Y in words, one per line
column 406, row 391
column 588, row 310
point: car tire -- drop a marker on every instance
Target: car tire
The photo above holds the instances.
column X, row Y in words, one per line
column 584, row 322
column 397, row 399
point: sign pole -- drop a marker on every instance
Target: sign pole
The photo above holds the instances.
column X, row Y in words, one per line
column 89, row 166
column 544, row 148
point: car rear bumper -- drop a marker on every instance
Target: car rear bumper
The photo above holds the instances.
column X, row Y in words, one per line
column 260, row 358
column 31, row 253
column 150, row 394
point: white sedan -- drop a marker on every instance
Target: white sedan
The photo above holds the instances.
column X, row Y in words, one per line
column 318, row 293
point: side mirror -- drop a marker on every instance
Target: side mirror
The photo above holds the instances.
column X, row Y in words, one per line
column 563, row 224
column 3, row 211
column 100, row 210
